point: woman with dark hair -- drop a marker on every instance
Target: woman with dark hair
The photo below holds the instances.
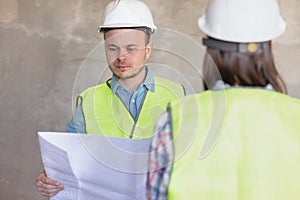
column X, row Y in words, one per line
column 253, row 69
column 240, row 138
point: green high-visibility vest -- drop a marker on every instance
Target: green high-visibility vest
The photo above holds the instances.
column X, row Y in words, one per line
column 236, row 144
column 105, row 114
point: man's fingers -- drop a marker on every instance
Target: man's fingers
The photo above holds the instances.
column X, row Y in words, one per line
column 49, row 181
column 49, row 192
column 46, row 186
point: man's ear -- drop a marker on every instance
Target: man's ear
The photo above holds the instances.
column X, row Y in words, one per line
column 148, row 49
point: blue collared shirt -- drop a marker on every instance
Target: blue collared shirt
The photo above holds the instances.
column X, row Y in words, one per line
column 133, row 102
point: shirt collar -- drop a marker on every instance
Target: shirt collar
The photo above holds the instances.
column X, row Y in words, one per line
column 148, row 82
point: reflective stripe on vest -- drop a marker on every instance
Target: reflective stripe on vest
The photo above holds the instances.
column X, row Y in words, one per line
column 236, row 144
column 105, row 114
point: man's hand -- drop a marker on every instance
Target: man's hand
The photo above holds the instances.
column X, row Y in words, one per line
column 46, row 186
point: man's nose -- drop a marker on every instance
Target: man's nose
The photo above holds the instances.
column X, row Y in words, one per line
column 122, row 54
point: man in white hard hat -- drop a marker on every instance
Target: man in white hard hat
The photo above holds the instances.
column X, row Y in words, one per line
column 240, row 138
column 121, row 106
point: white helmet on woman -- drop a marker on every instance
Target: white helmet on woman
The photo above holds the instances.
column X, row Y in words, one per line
column 127, row 13
column 242, row 20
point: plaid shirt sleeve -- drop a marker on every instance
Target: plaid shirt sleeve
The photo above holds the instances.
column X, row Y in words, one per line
column 160, row 159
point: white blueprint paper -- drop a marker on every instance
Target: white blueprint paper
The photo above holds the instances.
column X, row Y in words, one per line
column 93, row 167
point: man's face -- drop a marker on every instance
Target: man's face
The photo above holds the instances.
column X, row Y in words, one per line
column 126, row 52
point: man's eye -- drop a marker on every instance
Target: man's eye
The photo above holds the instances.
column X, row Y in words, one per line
column 112, row 49
column 129, row 50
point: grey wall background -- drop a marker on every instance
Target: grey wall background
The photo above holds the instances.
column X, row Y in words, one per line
column 43, row 45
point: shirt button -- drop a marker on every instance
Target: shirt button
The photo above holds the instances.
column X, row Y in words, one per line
column 133, row 100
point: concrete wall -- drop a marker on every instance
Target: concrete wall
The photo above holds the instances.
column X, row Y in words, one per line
column 43, row 46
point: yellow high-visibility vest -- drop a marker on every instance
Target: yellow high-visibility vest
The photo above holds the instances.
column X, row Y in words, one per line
column 105, row 114
column 237, row 144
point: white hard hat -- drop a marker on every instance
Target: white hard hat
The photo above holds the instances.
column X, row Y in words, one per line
column 242, row 20
column 127, row 13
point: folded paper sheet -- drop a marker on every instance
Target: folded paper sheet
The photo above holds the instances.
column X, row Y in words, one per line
column 95, row 167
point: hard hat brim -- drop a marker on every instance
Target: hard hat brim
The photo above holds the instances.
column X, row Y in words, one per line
column 121, row 26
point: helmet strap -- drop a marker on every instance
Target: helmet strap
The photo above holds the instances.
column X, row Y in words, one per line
column 251, row 48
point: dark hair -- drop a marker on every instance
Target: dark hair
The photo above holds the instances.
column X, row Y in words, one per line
column 242, row 69
column 146, row 30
